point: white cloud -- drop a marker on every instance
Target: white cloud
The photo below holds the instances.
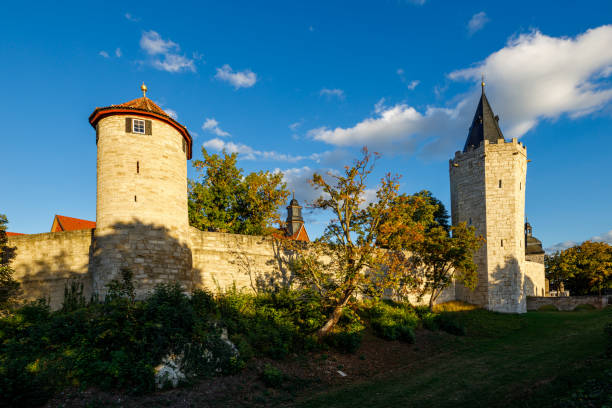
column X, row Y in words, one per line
column 605, row 237
column 296, row 125
column 398, row 128
column 332, row 93
column 297, row 180
column 118, row 53
column 477, row 22
column 534, row 77
column 172, row 113
column 131, row 18
column 211, row 125
column 248, row 153
column 164, row 53
column 104, row 54
column 409, row 84
column 239, row 79
column 413, row 84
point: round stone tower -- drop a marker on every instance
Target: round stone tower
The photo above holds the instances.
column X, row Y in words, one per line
column 141, row 208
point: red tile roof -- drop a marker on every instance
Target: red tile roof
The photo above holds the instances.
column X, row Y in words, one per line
column 145, row 104
column 12, row 234
column 300, row 235
column 63, row 223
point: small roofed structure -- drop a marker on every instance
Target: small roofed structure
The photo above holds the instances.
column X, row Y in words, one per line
column 63, row 223
column 294, row 226
column 533, row 246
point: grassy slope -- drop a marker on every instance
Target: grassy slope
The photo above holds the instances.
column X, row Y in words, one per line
column 505, row 360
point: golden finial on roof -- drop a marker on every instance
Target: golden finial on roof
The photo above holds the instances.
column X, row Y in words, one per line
column 143, row 88
column 482, row 82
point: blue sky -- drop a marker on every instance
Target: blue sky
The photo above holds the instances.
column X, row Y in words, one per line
column 301, row 86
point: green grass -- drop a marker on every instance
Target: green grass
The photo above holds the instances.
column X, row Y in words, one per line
column 528, row 360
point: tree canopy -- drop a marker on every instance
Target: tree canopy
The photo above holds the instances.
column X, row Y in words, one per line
column 583, row 269
column 365, row 247
column 223, row 199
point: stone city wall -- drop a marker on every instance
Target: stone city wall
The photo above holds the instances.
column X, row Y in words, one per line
column 566, row 303
column 222, row 261
column 46, row 263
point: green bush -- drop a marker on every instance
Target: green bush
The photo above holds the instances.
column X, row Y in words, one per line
column 430, row 321
column 272, row 376
column 392, row 321
column 450, row 323
column 548, row 308
column 345, row 342
column 272, row 324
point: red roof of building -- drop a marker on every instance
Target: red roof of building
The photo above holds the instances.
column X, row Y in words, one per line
column 63, row 223
column 145, row 104
column 300, row 235
column 12, row 234
column 142, row 107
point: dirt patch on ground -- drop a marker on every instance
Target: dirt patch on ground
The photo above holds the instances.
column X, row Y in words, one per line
column 305, row 375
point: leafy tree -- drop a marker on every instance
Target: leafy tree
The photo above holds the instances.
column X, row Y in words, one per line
column 584, row 268
column 9, row 287
column 348, row 259
column 440, row 259
column 557, row 269
column 440, row 214
column 223, row 199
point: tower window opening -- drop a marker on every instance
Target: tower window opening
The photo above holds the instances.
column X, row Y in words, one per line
column 499, row 183
column 184, row 145
column 520, row 186
column 137, row 167
column 138, row 126
column 135, row 199
column 502, row 242
column 470, row 221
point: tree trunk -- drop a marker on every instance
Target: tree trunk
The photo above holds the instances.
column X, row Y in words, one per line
column 431, row 300
column 335, row 316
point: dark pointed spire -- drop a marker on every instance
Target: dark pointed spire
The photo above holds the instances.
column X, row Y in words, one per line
column 294, row 216
column 485, row 124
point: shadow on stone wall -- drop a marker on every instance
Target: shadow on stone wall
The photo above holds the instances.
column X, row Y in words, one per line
column 47, row 274
column 152, row 253
column 275, row 276
column 505, row 288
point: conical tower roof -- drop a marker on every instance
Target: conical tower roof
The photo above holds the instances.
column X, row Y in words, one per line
column 485, row 124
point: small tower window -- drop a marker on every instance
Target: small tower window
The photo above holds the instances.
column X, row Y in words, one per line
column 137, row 167
column 520, row 186
column 499, row 183
column 135, row 199
column 502, row 242
column 138, row 126
column 184, row 145
column 470, row 221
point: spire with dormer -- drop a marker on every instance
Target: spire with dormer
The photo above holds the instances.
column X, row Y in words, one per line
column 485, row 124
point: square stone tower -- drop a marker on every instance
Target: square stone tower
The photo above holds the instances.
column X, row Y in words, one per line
column 487, row 181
